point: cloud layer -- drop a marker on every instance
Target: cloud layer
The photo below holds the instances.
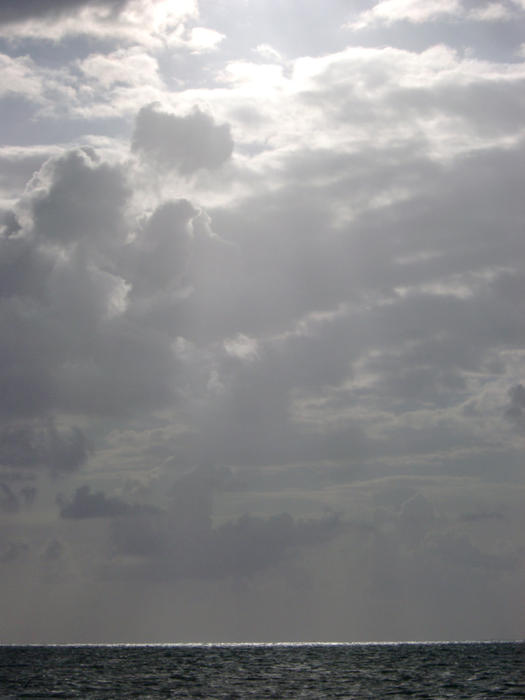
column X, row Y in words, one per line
column 261, row 329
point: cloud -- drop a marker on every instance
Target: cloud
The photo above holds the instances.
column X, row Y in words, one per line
column 20, row 77
column 163, row 247
column 515, row 411
column 60, row 215
column 131, row 66
column 331, row 305
column 203, row 39
column 9, row 502
column 29, row 445
column 144, row 22
column 459, row 551
column 182, row 543
column 13, row 11
column 360, row 278
column 387, row 12
column 66, row 287
column 267, row 52
column 53, row 550
column 94, row 504
column 395, row 10
column 14, row 551
column 186, row 143
column 17, row 165
column 481, row 516
column 491, row 12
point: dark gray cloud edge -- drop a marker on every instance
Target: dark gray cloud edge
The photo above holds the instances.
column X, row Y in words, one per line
column 12, row 11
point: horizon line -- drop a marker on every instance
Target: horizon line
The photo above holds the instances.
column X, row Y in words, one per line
column 261, row 644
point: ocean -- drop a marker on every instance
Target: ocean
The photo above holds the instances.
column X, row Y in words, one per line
column 401, row 670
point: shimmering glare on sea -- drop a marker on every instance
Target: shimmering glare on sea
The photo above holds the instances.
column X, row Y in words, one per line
column 437, row 670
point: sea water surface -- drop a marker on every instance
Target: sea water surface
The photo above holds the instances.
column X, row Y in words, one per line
column 401, row 670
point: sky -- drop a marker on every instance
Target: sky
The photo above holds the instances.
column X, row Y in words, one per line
column 262, row 332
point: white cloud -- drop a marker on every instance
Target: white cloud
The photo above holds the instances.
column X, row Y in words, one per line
column 268, row 52
column 416, row 11
column 387, row 12
column 20, row 77
column 491, row 12
column 125, row 66
column 203, row 39
column 241, row 346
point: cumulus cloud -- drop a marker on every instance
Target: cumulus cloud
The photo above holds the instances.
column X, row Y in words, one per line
column 186, row 143
column 68, row 266
column 75, row 197
column 17, row 165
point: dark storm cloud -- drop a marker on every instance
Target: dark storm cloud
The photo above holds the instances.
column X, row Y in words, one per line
column 186, row 144
column 9, row 502
column 95, row 504
column 18, row 10
column 515, row 411
column 53, row 550
column 246, row 546
column 41, row 444
column 28, row 495
column 170, row 549
column 181, row 542
column 13, row 551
